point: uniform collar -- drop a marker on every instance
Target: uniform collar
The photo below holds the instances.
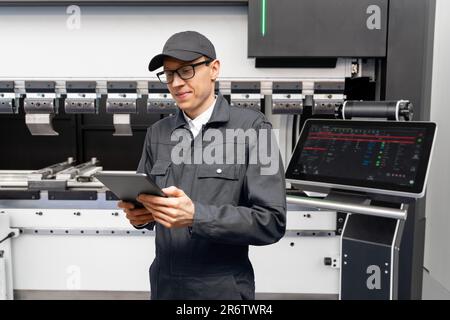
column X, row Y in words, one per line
column 202, row 118
column 221, row 113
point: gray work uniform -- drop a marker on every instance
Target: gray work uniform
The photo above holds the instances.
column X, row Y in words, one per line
column 235, row 206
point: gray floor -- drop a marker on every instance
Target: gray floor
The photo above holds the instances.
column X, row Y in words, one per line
column 117, row 295
column 79, row 295
column 432, row 289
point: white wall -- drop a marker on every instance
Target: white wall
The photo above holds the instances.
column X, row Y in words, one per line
column 119, row 42
column 437, row 246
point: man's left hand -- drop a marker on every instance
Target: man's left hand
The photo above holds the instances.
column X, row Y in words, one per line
column 173, row 212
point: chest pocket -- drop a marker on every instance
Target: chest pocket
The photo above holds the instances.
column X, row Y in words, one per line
column 160, row 172
column 218, row 184
column 219, row 171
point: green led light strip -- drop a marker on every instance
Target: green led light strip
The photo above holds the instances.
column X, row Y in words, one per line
column 263, row 18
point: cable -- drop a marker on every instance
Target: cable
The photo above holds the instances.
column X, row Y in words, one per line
column 10, row 235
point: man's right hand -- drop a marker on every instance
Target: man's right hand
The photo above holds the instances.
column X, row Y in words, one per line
column 137, row 216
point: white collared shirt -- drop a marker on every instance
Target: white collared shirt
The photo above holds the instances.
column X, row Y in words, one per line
column 196, row 125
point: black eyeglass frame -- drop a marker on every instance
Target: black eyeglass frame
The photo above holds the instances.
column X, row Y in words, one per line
column 206, row 62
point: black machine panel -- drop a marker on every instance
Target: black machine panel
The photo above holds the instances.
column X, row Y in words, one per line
column 390, row 156
column 22, row 151
column 114, row 152
column 317, row 28
column 370, row 273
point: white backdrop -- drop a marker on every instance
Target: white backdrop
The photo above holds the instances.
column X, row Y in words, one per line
column 120, row 41
column 437, row 246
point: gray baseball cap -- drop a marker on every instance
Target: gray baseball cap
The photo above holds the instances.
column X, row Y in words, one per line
column 185, row 46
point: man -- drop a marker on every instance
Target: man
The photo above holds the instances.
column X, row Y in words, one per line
column 212, row 212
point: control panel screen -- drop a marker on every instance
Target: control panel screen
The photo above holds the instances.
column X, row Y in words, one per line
column 369, row 154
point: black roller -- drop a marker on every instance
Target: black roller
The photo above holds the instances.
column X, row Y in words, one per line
column 400, row 110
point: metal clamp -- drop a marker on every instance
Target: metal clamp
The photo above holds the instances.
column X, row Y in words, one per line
column 287, row 98
column 328, row 97
column 122, row 101
column 81, row 103
column 82, row 97
column 246, row 95
column 8, row 99
column 161, row 103
column 159, row 99
column 287, row 103
column 7, row 103
column 122, row 125
column 40, row 124
column 327, row 104
column 246, row 101
column 40, row 105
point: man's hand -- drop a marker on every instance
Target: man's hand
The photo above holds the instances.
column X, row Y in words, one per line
column 173, row 212
column 137, row 216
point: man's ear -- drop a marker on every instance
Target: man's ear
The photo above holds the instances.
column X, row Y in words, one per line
column 215, row 69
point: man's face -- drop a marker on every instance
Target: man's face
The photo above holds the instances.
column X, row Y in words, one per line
column 193, row 94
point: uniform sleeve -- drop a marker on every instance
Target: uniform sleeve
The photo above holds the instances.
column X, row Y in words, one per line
column 146, row 161
column 145, row 165
column 261, row 220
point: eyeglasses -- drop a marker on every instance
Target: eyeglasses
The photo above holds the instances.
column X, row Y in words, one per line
column 184, row 72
